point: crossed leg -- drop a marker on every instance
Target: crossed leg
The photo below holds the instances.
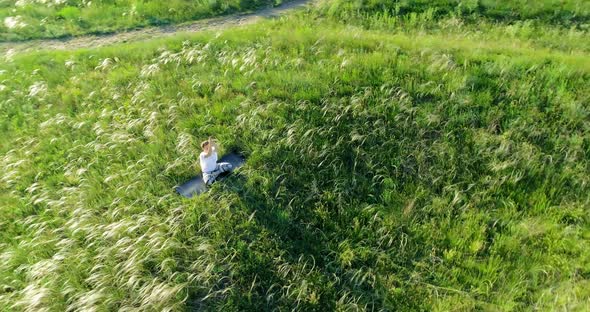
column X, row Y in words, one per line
column 209, row 177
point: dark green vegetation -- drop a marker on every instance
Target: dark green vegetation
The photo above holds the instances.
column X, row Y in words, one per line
column 388, row 170
column 32, row 19
column 555, row 12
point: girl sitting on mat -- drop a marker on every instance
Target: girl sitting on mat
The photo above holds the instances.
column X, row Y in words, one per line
column 208, row 159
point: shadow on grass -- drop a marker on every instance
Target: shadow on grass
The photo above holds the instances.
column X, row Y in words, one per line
column 286, row 239
column 253, row 273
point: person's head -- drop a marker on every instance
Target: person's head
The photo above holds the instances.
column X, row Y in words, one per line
column 205, row 146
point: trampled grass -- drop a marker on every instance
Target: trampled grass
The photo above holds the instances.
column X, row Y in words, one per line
column 33, row 19
column 416, row 170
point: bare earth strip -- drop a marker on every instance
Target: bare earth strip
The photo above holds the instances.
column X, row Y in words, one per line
column 152, row 32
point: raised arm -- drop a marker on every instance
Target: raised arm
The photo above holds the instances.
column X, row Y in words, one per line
column 212, row 146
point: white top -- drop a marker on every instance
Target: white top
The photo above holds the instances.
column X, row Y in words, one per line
column 208, row 164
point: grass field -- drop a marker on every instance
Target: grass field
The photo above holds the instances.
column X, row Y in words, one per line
column 33, row 19
column 553, row 12
column 395, row 163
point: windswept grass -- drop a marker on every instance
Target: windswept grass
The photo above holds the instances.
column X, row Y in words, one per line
column 553, row 12
column 385, row 172
column 521, row 26
column 33, row 19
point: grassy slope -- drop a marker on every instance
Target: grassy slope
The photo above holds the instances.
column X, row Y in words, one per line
column 416, row 170
column 56, row 19
column 554, row 12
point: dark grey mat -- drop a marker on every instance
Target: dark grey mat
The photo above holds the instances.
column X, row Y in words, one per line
column 196, row 185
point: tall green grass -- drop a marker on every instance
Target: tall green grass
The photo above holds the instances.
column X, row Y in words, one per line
column 385, row 172
column 536, row 23
column 33, row 19
column 567, row 12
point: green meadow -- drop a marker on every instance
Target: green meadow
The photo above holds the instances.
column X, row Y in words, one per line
column 34, row 19
column 401, row 157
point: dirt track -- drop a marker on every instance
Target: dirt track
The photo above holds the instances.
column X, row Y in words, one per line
column 153, row 32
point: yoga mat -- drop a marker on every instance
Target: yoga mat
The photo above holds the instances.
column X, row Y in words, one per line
column 196, row 185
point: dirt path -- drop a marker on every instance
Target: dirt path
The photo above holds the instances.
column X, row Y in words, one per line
column 152, row 32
